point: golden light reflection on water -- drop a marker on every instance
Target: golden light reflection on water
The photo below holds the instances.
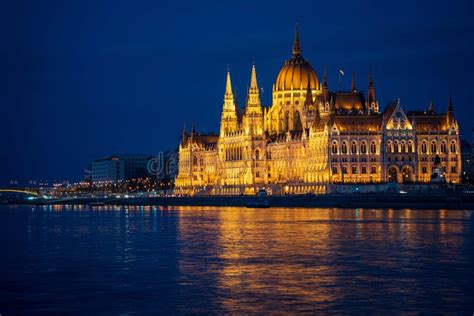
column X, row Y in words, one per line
column 245, row 260
column 299, row 255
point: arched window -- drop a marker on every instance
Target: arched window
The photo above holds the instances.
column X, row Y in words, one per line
column 257, row 154
column 453, row 147
column 344, row 147
column 354, row 148
column 389, row 147
column 433, row 147
column 334, row 147
column 396, row 146
column 195, row 161
column 373, row 148
column 363, row 148
column 443, row 147
column 403, row 147
column 423, row 147
column 410, row 146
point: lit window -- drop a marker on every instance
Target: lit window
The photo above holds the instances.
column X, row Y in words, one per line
column 423, row 147
column 354, row 148
column 344, row 148
column 373, row 148
column 453, row 147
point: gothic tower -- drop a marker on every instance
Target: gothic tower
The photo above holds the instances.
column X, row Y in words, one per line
column 229, row 110
column 253, row 118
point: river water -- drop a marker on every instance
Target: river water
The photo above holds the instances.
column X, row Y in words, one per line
column 213, row 260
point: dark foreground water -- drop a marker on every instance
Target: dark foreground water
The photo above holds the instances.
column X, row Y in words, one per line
column 117, row 260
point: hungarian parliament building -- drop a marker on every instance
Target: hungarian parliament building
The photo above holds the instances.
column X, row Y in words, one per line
column 311, row 138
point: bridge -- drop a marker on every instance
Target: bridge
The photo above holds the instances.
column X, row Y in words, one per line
column 26, row 191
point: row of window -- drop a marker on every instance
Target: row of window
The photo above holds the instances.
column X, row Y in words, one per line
column 373, row 169
column 424, row 169
column 400, row 147
column 354, row 159
column 234, row 154
column 344, row 147
column 434, row 148
column 354, row 169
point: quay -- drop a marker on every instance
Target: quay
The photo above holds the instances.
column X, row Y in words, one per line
column 362, row 200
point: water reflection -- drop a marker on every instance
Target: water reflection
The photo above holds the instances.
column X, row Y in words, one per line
column 321, row 259
column 235, row 260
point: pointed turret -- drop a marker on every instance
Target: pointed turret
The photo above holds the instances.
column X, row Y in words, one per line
column 325, row 91
column 296, row 43
column 372, row 104
column 431, row 107
column 450, row 105
column 253, row 118
column 228, row 87
column 450, row 113
column 184, row 136
column 353, row 86
column 229, row 109
column 253, row 80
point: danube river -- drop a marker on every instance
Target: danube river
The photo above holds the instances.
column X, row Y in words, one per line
column 118, row 260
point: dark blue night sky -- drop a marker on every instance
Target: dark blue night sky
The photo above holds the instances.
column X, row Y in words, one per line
column 85, row 79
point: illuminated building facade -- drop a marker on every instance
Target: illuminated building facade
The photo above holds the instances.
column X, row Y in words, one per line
column 311, row 137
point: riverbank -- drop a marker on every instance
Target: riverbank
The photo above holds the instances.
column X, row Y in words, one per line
column 461, row 201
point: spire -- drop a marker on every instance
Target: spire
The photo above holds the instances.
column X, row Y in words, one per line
column 228, row 86
column 253, row 97
column 353, row 87
column 450, row 105
column 193, row 130
column 185, row 132
column 371, row 102
column 450, row 113
column 325, row 91
column 184, row 136
column 431, row 107
column 296, row 43
column 253, row 80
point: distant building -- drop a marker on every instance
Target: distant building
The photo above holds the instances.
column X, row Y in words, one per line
column 120, row 167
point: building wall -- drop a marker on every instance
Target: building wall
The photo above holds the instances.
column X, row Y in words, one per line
column 120, row 167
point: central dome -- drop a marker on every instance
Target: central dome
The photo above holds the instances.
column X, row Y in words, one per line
column 296, row 72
